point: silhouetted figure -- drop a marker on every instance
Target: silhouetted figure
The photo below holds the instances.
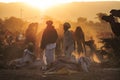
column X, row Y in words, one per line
column 115, row 26
column 115, row 12
column 68, row 41
column 27, row 58
column 48, row 42
column 91, row 44
column 80, row 39
column 31, row 32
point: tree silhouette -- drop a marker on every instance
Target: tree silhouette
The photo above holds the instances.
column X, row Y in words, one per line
column 13, row 24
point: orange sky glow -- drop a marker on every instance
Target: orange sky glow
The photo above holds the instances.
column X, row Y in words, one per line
column 45, row 4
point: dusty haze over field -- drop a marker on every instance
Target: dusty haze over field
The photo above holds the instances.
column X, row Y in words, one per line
column 84, row 14
column 67, row 11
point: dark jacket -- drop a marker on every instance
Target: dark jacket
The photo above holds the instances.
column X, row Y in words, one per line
column 49, row 36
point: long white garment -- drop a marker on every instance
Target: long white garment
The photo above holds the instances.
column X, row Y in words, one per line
column 68, row 43
column 49, row 55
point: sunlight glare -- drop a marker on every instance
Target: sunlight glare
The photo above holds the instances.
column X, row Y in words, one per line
column 45, row 4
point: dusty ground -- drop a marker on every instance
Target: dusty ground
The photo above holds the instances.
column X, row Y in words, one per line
column 95, row 74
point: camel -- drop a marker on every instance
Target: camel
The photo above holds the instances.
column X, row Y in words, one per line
column 115, row 26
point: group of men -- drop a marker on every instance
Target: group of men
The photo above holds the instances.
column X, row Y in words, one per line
column 50, row 36
column 71, row 41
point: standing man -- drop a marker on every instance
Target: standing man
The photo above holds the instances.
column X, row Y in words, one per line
column 68, row 41
column 48, row 42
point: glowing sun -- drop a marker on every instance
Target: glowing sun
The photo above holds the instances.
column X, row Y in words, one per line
column 45, row 4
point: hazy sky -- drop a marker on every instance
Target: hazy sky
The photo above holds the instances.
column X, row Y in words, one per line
column 70, row 11
column 44, row 4
column 52, row 0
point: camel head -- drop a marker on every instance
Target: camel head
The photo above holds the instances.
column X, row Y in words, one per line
column 109, row 18
column 115, row 12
